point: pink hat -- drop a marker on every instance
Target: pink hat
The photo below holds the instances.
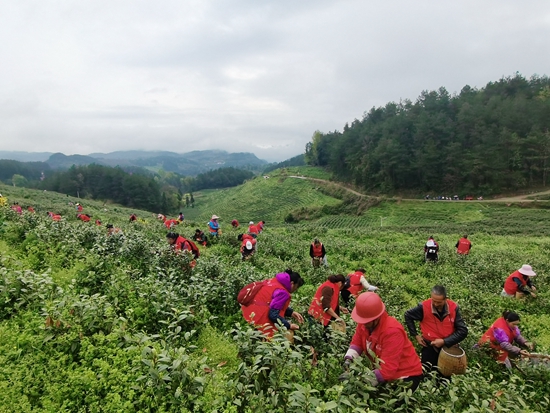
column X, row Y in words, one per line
column 215, row 217
column 527, row 270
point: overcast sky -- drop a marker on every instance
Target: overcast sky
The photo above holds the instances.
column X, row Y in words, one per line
column 257, row 76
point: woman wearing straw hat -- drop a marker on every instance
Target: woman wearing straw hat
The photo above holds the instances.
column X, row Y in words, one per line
column 384, row 336
column 214, row 226
column 519, row 283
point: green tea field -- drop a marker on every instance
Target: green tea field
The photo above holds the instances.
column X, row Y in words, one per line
column 97, row 323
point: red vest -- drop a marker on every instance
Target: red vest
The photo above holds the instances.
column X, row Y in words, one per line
column 317, row 250
column 253, row 229
column 257, row 313
column 182, row 244
column 245, row 240
column 316, row 308
column 171, row 222
column 394, row 365
column 489, row 337
column 355, row 282
column 510, row 285
column 430, row 325
column 463, row 246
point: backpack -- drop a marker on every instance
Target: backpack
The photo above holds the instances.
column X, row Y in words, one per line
column 248, row 292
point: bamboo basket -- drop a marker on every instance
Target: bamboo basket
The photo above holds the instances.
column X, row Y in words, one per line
column 452, row 360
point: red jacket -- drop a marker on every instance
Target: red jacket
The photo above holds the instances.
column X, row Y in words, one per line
column 257, row 313
column 510, row 285
column 170, row 223
column 430, row 325
column 463, row 246
column 355, row 282
column 316, row 309
column 247, row 238
column 83, row 217
column 253, row 229
column 391, row 345
column 489, row 337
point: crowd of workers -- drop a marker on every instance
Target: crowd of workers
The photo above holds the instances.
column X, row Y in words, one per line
column 377, row 333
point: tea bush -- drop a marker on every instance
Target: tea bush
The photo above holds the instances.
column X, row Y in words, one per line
column 91, row 322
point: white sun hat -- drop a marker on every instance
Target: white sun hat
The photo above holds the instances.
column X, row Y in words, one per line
column 527, row 270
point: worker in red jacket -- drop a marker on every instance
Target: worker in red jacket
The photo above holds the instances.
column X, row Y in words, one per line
column 253, row 229
column 519, row 282
column 441, row 324
column 271, row 304
column 248, row 246
column 355, row 283
column 317, row 253
column 501, row 336
column 431, row 250
column 178, row 242
column 170, row 223
column 325, row 305
column 463, row 246
column 384, row 336
column 83, row 217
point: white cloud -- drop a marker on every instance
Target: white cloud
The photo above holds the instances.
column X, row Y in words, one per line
column 98, row 76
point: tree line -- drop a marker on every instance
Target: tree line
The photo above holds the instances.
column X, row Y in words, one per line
column 479, row 141
column 132, row 187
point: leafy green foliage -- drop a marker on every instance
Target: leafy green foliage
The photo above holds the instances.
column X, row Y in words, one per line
column 119, row 322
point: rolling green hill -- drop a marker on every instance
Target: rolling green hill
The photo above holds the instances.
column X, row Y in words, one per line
column 268, row 199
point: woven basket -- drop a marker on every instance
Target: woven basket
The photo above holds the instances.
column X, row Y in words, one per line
column 452, row 360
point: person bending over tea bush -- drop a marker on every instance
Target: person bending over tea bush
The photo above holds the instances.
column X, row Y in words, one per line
column 265, row 304
column 501, row 336
column 383, row 335
column 519, row 283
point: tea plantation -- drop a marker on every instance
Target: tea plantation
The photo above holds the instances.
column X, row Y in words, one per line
column 98, row 323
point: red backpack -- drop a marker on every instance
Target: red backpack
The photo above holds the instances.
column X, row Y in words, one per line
column 248, row 292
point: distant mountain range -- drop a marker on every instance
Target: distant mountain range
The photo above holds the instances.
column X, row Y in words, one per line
column 190, row 163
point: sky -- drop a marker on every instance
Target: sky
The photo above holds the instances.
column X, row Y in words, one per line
column 88, row 76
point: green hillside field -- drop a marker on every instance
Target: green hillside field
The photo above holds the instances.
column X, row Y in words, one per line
column 98, row 323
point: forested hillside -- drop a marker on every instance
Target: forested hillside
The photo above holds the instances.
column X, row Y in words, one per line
column 136, row 187
column 479, row 141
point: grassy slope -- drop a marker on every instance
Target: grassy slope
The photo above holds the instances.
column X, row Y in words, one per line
column 392, row 254
column 268, row 199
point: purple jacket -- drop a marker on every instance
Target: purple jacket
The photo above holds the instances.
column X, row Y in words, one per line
column 280, row 296
column 279, row 299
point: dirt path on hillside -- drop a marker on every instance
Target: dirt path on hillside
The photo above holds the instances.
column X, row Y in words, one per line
column 518, row 198
column 327, row 182
column 522, row 198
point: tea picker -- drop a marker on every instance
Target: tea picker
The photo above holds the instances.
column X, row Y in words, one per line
column 431, row 250
column 502, row 335
column 317, row 253
column 387, row 339
column 518, row 284
column 441, row 325
column 265, row 304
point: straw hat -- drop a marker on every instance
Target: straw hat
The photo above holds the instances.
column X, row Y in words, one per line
column 527, row 270
column 215, row 217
